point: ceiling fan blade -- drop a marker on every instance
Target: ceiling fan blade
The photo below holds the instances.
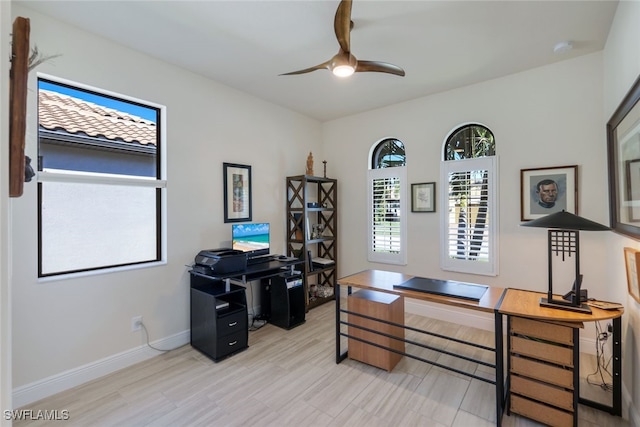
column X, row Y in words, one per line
column 324, row 65
column 379, row 67
column 342, row 25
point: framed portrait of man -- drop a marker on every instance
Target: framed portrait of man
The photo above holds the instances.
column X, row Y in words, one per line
column 544, row 191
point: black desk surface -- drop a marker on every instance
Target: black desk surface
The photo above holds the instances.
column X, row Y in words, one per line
column 258, row 270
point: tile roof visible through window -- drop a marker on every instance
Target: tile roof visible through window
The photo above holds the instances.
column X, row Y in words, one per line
column 63, row 112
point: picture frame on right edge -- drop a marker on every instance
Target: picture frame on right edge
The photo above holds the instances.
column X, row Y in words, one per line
column 632, row 263
column 423, row 197
column 544, row 191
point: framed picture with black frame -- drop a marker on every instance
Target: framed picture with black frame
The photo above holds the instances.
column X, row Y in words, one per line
column 623, row 139
column 544, row 191
column 237, row 192
column 423, row 197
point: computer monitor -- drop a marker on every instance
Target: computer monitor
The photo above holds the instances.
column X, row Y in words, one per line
column 251, row 238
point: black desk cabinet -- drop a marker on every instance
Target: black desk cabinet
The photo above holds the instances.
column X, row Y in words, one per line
column 283, row 300
column 219, row 321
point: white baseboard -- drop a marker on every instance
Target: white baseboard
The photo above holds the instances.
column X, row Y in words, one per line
column 471, row 318
column 35, row 391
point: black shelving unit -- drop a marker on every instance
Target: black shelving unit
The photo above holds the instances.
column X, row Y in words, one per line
column 312, row 232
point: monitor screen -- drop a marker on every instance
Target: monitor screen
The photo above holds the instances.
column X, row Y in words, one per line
column 251, row 238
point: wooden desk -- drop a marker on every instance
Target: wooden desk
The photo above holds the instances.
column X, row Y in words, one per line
column 519, row 304
column 384, row 281
column 499, row 302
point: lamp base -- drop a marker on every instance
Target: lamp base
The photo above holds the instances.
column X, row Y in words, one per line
column 564, row 305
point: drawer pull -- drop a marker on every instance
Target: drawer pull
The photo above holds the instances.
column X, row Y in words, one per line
column 233, row 324
column 233, row 343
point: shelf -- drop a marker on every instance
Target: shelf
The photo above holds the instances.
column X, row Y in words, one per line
column 310, row 178
column 317, row 301
column 302, row 220
column 322, row 270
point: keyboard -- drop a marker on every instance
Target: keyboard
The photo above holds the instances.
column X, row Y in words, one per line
column 261, row 259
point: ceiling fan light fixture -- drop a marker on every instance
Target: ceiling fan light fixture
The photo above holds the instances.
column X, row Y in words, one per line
column 343, row 64
column 343, row 70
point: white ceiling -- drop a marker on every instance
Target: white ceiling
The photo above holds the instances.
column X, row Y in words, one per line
column 440, row 44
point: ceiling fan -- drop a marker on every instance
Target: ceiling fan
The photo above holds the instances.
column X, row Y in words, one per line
column 344, row 64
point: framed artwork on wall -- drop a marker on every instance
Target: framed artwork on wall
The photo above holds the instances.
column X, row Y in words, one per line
column 623, row 152
column 237, row 192
column 548, row 190
column 632, row 262
column 423, row 197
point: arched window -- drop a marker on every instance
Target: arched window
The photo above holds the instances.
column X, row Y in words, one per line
column 469, row 222
column 469, row 142
column 387, row 202
column 388, row 153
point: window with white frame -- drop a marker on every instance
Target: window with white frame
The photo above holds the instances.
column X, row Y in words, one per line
column 387, row 240
column 101, row 179
column 469, row 233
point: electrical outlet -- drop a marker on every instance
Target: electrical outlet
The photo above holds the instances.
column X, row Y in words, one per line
column 136, row 323
column 609, row 327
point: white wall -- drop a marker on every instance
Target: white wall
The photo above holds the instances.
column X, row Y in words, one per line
column 621, row 69
column 5, row 295
column 61, row 326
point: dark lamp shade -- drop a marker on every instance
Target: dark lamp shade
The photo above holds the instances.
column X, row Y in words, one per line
column 566, row 221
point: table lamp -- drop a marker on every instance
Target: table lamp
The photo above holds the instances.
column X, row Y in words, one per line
column 564, row 239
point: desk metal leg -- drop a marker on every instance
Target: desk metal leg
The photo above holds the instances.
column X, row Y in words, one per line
column 340, row 356
column 616, row 404
column 617, row 367
column 337, row 297
column 576, row 374
column 499, row 367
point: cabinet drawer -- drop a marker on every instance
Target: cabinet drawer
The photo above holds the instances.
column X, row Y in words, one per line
column 542, row 371
column 542, row 351
column 231, row 343
column 232, row 323
column 543, row 330
column 542, row 392
column 540, row 412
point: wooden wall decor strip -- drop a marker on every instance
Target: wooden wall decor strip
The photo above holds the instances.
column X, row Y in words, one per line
column 18, row 104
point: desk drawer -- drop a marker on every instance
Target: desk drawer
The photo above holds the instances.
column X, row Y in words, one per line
column 542, row 371
column 543, row 330
column 542, row 392
column 232, row 323
column 231, row 343
column 542, row 351
column 540, row 412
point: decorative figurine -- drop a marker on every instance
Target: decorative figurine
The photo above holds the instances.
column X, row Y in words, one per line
column 309, row 164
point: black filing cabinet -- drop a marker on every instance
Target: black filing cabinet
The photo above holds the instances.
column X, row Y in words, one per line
column 219, row 323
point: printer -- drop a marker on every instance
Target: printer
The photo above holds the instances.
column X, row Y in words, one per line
column 220, row 261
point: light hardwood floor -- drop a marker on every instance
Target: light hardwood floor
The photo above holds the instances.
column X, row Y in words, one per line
column 290, row 378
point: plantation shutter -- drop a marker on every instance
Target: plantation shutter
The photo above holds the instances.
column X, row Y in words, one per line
column 387, row 215
column 469, row 224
